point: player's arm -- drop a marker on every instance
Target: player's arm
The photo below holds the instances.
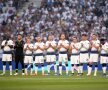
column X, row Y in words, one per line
column 41, row 48
column 70, row 48
column 30, row 48
column 96, row 46
column 65, row 46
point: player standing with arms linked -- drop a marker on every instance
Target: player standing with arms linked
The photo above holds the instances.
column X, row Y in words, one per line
column 19, row 55
column 63, row 46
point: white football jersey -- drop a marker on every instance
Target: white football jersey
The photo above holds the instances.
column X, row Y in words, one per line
column 104, row 49
column 65, row 43
column 27, row 50
column 97, row 43
column 40, row 44
column 85, row 45
column 7, row 48
column 74, row 46
column 53, row 43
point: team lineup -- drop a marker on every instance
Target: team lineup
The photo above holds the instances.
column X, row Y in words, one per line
column 79, row 53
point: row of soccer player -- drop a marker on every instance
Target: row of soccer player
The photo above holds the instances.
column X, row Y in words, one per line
column 79, row 54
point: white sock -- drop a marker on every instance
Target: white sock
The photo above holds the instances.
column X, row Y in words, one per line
column 26, row 70
column 42, row 70
column 36, row 69
column 4, row 69
column 95, row 72
column 104, row 70
column 60, row 69
column 78, row 70
column 55, row 68
column 31, row 70
column 66, row 69
column 48, row 66
column 10, row 67
column 89, row 70
column 72, row 69
column 81, row 69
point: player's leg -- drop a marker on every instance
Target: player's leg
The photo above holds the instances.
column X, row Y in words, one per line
column 10, row 67
column 4, row 68
column 53, row 59
column 66, row 63
column 72, row 65
column 42, row 64
column 48, row 59
column 25, row 64
column 22, row 63
column 31, row 63
column 41, row 60
column 60, row 64
column 65, row 58
column 96, row 68
column 81, row 68
column 90, row 62
column 4, row 64
column 36, row 64
column 103, row 61
column 16, row 65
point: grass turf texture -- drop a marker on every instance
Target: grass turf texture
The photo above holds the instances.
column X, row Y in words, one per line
column 53, row 82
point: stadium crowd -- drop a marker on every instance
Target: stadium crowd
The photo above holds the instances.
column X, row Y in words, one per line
column 73, row 17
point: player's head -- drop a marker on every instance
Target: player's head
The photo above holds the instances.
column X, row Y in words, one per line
column 102, row 41
column 28, row 40
column 50, row 37
column 62, row 36
column 84, row 36
column 38, row 38
column 94, row 36
column 74, row 39
column 19, row 37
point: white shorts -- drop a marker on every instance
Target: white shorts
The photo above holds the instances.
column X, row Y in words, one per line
column 84, row 57
column 63, row 57
column 103, row 59
column 7, row 57
column 39, row 59
column 28, row 59
column 50, row 58
column 75, row 59
column 94, row 58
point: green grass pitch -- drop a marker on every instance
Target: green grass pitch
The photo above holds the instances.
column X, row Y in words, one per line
column 53, row 82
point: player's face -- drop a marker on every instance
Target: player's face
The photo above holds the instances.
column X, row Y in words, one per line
column 74, row 39
column 19, row 37
column 62, row 37
column 50, row 38
column 39, row 39
column 94, row 37
column 84, row 37
column 28, row 40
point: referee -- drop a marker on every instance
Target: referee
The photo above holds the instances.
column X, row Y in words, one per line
column 19, row 56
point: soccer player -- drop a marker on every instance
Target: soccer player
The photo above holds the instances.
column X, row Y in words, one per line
column 63, row 46
column 19, row 54
column 84, row 52
column 28, row 58
column 75, row 50
column 39, row 48
column 104, row 55
column 51, row 53
column 94, row 54
column 7, row 46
